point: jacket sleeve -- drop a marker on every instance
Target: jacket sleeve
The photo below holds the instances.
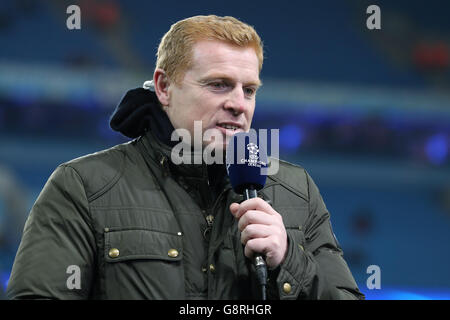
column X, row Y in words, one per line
column 314, row 267
column 56, row 255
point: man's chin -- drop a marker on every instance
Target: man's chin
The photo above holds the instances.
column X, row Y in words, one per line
column 214, row 152
column 215, row 147
column 218, row 142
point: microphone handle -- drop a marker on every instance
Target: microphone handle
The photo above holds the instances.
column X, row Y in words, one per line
column 250, row 193
column 258, row 260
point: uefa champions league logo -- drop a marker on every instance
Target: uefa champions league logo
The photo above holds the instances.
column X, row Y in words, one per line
column 253, row 149
column 253, row 156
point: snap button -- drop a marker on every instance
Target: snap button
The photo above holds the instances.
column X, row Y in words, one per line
column 287, row 287
column 212, row 268
column 173, row 253
column 114, row 253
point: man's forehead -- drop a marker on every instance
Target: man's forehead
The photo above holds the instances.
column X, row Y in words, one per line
column 219, row 59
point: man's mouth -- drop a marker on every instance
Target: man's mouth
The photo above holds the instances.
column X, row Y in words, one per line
column 228, row 126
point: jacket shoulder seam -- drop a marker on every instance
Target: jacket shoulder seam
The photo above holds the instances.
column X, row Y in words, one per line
column 65, row 165
column 289, row 186
column 108, row 185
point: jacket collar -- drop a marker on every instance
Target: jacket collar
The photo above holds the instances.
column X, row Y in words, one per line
column 190, row 173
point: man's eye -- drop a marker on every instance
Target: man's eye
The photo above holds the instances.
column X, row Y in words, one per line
column 218, row 85
column 250, row 91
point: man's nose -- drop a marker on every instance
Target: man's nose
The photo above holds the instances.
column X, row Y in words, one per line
column 236, row 102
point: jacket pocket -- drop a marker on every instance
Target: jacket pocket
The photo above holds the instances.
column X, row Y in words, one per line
column 143, row 264
column 137, row 243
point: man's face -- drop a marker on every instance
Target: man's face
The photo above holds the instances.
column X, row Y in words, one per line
column 218, row 90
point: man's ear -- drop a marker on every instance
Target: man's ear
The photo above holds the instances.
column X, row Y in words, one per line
column 161, row 82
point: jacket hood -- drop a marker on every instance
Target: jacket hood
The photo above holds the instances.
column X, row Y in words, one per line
column 140, row 111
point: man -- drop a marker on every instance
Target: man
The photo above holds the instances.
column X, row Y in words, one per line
column 128, row 223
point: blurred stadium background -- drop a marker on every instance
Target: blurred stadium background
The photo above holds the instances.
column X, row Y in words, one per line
column 366, row 112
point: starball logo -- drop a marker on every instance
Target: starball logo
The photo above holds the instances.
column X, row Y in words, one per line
column 253, row 149
column 253, row 156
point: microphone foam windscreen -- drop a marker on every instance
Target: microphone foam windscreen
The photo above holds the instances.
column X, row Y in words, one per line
column 246, row 158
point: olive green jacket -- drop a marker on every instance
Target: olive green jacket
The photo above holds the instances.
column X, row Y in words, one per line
column 125, row 223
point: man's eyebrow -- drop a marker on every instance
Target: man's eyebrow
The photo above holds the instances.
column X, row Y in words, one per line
column 212, row 77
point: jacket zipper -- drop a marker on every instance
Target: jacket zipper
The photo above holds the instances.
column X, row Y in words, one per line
column 210, row 217
column 209, row 220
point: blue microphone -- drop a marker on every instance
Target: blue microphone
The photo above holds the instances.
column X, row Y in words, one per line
column 246, row 163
